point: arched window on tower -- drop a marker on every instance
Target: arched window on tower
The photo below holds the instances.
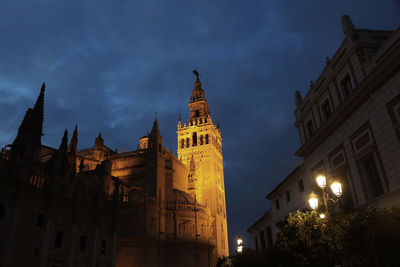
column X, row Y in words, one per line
column 201, row 140
column 197, row 112
column 206, row 138
column 194, row 142
column 187, row 142
column 182, row 143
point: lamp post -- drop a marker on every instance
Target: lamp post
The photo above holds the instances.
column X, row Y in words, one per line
column 239, row 245
column 336, row 188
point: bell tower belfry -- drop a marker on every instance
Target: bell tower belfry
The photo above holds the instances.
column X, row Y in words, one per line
column 199, row 145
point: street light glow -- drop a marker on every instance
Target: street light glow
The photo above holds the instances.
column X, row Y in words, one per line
column 240, row 246
column 322, row 216
column 321, row 181
column 336, row 188
column 313, row 201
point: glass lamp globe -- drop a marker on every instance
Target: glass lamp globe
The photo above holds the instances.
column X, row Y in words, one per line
column 321, row 181
column 313, row 201
column 336, row 188
column 239, row 241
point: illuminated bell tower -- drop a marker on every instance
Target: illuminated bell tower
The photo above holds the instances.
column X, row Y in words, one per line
column 199, row 145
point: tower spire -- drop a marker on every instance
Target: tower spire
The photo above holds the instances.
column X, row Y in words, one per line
column 27, row 143
column 155, row 131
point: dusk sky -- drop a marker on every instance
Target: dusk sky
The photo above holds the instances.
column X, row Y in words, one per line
column 109, row 66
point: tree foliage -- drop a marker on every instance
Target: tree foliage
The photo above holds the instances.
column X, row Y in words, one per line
column 368, row 237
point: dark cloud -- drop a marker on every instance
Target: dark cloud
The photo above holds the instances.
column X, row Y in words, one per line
column 111, row 66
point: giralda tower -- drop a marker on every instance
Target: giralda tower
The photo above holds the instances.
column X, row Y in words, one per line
column 200, row 148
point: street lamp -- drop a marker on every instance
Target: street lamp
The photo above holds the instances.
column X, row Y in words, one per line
column 321, row 181
column 336, row 188
column 240, row 246
column 313, row 201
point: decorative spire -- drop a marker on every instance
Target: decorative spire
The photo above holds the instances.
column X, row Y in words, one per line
column 155, row 135
column 155, row 128
column 347, row 24
column 298, row 98
column 64, row 143
column 99, row 141
column 27, row 143
column 39, row 105
column 196, row 73
column 198, row 92
column 74, row 141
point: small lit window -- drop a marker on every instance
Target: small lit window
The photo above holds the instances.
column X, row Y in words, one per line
column 194, row 142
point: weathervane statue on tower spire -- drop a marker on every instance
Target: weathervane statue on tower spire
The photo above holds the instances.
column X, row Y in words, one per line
column 195, row 72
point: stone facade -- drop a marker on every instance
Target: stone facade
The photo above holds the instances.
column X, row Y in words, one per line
column 348, row 125
column 97, row 207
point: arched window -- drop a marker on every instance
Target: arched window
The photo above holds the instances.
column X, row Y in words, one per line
column 206, row 138
column 197, row 113
column 194, row 142
column 182, row 143
column 201, row 140
column 187, row 142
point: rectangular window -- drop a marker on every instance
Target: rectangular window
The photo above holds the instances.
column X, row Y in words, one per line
column 277, row 204
column 39, row 220
column 394, row 111
column 310, row 129
column 36, row 252
column 372, row 178
column 269, row 237
column 300, row 184
column 256, row 242
column 103, row 247
column 326, row 109
column 82, row 243
column 187, row 142
column 262, row 241
column 287, row 196
column 347, row 86
column 59, row 239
